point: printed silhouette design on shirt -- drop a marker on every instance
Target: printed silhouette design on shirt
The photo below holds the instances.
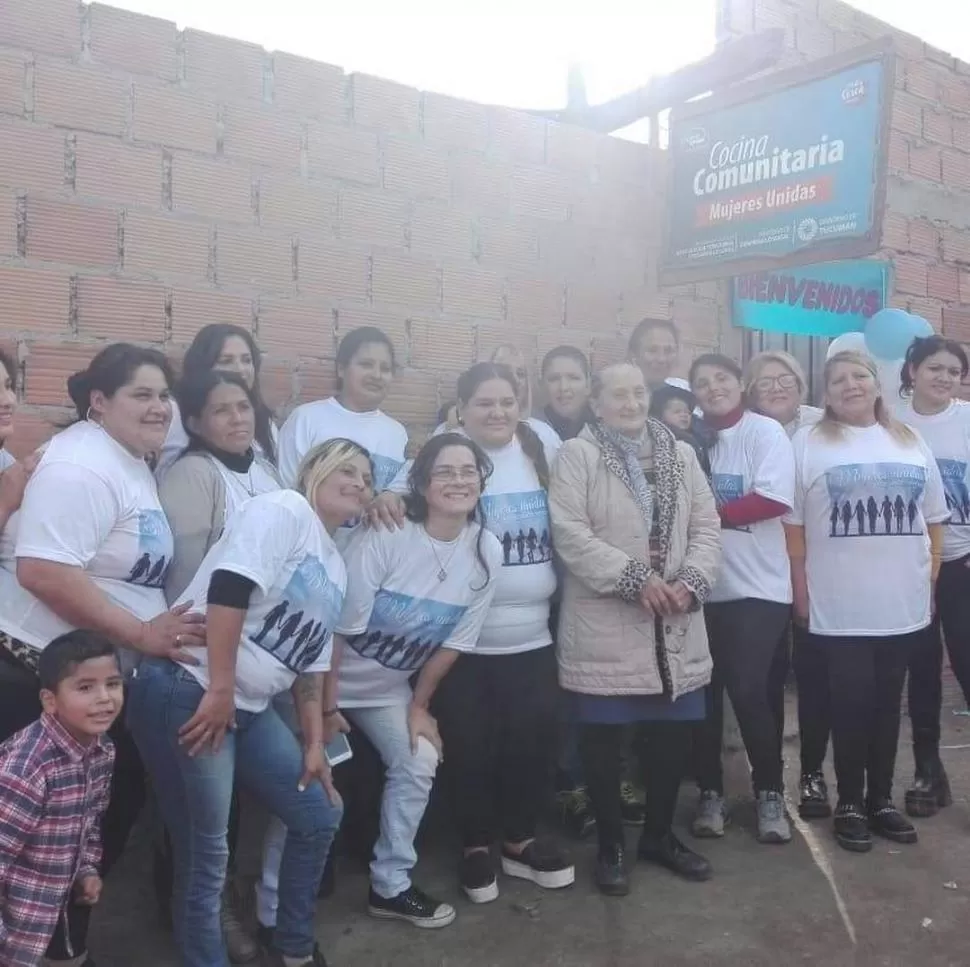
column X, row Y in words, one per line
column 875, row 499
column 954, row 474
column 154, row 550
column 403, row 631
column 521, row 522
column 728, row 487
column 385, row 470
column 295, row 630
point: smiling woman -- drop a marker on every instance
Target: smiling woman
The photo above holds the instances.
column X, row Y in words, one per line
column 89, row 548
column 365, row 372
column 933, row 372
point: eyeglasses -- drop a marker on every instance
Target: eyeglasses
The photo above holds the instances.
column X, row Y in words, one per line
column 785, row 381
column 448, row 474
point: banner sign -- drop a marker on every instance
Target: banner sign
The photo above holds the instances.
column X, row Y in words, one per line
column 827, row 299
column 787, row 170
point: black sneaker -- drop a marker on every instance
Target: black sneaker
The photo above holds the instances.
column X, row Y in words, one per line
column 575, row 813
column 476, row 875
column 851, row 828
column 610, row 873
column 631, row 805
column 671, row 853
column 542, row 863
column 930, row 790
column 273, row 958
column 887, row 821
column 414, row 906
column 813, row 801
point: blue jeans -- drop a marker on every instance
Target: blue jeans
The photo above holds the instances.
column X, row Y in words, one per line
column 407, row 789
column 194, row 794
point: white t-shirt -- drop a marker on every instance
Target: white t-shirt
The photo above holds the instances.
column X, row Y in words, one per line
column 947, row 434
column 314, row 423
column 261, row 478
column 277, row 542
column 864, row 502
column 753, row 456
column 517, row 513
column 177, row 441
column 806, row 416
column 547, row 435
column 398, row 613
column 90, row 504
column 6, row 460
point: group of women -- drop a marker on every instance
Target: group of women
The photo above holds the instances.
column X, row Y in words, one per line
column 271, row 589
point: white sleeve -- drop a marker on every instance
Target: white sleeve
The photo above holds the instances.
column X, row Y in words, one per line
column 773, row 464
column 796, row 515
column 466, row 633
column 935, row 510
column 367, row 565
column 67, row 513
column 399, row 485
column 262, row 537
column 292, row 447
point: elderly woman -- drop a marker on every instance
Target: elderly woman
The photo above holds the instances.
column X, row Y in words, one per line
column 776, row 386
column 635, row 526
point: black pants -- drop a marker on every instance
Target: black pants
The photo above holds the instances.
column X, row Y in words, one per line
column 814, row 714
column 19, row 706
column 866, row 685
column 745, row 637
column 952, row 624
column 497, row 715
column 663, row 750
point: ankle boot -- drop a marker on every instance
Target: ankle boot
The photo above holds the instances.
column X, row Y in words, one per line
column 930, row 790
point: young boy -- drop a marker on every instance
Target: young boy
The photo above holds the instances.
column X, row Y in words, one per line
column 55, row 781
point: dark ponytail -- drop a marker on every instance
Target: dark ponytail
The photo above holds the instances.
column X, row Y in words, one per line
column 532, row 447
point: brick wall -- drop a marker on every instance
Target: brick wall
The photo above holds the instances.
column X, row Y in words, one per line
column 152, row 181
column 926, row 231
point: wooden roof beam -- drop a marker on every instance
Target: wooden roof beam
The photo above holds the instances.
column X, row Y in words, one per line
column 734, row 61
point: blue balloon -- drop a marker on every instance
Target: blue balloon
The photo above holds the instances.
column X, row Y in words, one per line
column 890, row 331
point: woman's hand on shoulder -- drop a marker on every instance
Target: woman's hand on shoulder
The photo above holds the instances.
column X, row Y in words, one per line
column 386, row 510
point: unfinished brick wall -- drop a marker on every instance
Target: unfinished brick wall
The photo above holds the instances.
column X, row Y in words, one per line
column 926, row 231
column 153, row 181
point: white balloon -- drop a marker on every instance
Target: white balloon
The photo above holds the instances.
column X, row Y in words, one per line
column 848, row 342
column 889, row 379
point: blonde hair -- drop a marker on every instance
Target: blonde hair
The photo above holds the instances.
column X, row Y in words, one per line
column 756, row 365
column 323, row 460
column 831, row 427
column 510, row 350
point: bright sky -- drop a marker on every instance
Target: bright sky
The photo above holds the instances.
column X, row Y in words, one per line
column 502, row 51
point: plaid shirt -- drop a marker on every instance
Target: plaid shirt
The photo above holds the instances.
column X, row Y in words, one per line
column 53, row 791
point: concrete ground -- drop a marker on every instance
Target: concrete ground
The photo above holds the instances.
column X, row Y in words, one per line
column 806, row 903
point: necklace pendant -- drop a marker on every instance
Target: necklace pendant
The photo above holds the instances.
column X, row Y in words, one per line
column 442, row 574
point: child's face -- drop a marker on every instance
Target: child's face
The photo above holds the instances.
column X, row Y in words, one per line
column 88, row 700
column 677, row 414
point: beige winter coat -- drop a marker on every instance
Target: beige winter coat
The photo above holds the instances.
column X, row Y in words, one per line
column 607, row 643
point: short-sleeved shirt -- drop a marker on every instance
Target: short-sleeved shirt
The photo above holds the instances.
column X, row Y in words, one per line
column 89, row 504
column 276, row 541
column 947, row 434
column 407, row 596
column 865, row 501
column 315, row 423
column 753, row 456
column 516, row 511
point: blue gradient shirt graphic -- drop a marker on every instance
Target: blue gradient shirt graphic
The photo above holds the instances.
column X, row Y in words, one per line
column 521, row 523
column 875, row 499
column 155, row 548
